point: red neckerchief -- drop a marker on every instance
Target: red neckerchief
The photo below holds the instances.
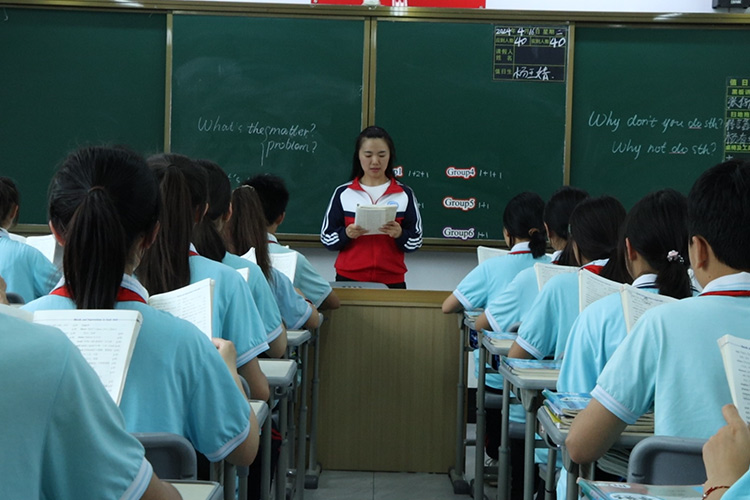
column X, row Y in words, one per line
column 191, row 253
column 123, row 295
column 729, row 293
column 519, row 252
column 593, row 268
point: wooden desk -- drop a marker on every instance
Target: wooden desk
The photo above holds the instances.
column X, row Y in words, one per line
column 388, row 376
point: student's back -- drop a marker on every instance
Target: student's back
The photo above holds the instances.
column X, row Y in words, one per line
column 61, row 435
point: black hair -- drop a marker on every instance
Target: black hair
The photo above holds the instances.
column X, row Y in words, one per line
column 595, row 228
column 206, row 237
column 272, row 193
column 558, row 208
column 522, row 218
column 165, row 266
column 373, row 132
column 100, row 201
column 9, row 197
column 719, row 211
column 656, row 226
column 246, row 228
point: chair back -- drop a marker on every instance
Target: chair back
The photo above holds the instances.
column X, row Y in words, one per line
column 667, row 460
column 171, row 455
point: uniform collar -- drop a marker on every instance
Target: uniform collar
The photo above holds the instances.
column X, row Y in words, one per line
column 731, row 282
column 272, row 238
column 4, row 233
column 520, row 247
column 128, row 282
column 555, row 256
column 393, row 186
column 645, row 281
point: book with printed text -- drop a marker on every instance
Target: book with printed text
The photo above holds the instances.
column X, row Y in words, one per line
column 592, row 287
column 605, row 490
column 193, row 303
column 372, row 217
column 545, row 272
column 735, row 352
column 635, row 302
column 484, row 253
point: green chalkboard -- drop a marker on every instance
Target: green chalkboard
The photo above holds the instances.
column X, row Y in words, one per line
column 460, row 134
column 649, row 106
column 271, row 95
column 70, row 79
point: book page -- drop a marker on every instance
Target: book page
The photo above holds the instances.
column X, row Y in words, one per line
column 372, row 217
column 285, row 263
column 635, row 302
column 250, row 255
column 17, row 312
column 105, row 338
column 544, row 272
column 736, row 355
column 484, row 253
column 48, row 246
column 592, row 287
column 193, row 303
column 245, row 273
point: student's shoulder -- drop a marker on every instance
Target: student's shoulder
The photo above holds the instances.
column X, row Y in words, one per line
column 37, row 340
column 21, row 250
column 202, row 268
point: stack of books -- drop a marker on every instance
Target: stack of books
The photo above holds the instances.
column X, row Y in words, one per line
column 563, row 407
column 546, row 369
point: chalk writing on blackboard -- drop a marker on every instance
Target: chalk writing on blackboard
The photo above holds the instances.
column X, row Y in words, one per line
column 641, row 134
column 737, row 130
column 271, row 139
column 530, row 53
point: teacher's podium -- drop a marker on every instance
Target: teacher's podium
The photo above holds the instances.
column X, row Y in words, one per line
column 388, row 377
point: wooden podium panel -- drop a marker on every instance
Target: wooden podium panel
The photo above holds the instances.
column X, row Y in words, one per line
column 388, row 377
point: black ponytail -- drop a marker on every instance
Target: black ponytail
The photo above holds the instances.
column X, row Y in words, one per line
column 522, row 218
column 9, row 198
column 246, row 228
column 657, row 229
column 206, row 237
column 595, row 228
column 165, row 266
column 100, row 201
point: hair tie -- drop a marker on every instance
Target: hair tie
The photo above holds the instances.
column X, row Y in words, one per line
column 247, row 186
column 674, row 256
column 97, row 188
column 533, row 230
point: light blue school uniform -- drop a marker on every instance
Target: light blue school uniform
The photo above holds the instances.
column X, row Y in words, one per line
column 177, row 381
column 306, row 278
column 62, row 436
column 491, row 277
column 740, row 490
column 261, row 293
column 295, row 310
column 671, row 362
column 25, row 269
column 235, row 316
column 545, row 327
column 594, row 337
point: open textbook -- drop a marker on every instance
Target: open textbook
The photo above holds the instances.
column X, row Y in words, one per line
column 735, row 352
column 635, row 302
column 285, row 262
column 545, row 272
column 49, row 246
column 193, row 303
column 592, row 287
column 106, row 338
column 604, row 490
column 484, row 253
column 372, row 217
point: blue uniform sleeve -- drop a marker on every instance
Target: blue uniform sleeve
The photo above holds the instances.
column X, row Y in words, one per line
column 333, row 230
column 295, row 310
column 310, row 283
column 471, row 292
column 411, row 225
column 88, row 452
column 511, row 304
column 46, row 275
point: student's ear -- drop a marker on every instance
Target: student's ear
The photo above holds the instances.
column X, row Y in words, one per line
column 699, row 252
column 58, row 236
column 225, row 218
column 630, row 254
column 150, row 237
column 200, row 213
column 14, row 216
column 280, row 219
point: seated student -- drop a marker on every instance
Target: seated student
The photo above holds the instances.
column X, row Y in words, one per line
column 523, row 230
column 726, row 456
column 274, row 197
column 508, row 307
column 172, row 262
column 26, row 270
column 210, row 244
column 594, row 226
column 671, row 361
column 62, row 435
column 104, row 210
column 654, row 235
column 246, row 229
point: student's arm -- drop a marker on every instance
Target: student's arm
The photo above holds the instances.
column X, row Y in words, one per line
column 257, row 381
column 452, row 305
column 330, row 302
column 159, row 490
column 245, row 453
column 313, row 321
column 277, row 347
column 516, row 351
column 727, row 454
column 481, row 323
column 592, row 433
column 3, row 288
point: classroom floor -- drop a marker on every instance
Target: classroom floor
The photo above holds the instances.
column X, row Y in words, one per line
column 342, row 485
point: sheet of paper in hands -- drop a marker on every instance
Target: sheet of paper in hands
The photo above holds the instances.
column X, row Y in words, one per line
column 372, row 217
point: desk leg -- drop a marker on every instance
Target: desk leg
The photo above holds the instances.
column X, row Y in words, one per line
column 313, row 468
column 479, row 455
column 230, row 479
column 302, row 427
column 265, row 474
column 282, row 468
column 571, row 491
column 528, row 456
column 549, row 478
column 456, row 473
column 503, row 462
